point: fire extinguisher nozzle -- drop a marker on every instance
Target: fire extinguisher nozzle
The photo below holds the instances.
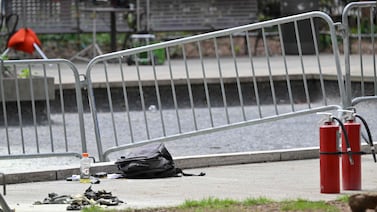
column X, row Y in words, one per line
column 350, row 156
column 351, row 161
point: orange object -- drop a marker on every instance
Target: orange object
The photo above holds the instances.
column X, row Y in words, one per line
column 24, row 40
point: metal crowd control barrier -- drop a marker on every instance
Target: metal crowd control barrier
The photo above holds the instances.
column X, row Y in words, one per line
column 199, row 89
column 359, row 23
column 40, row 116
column 188, row 87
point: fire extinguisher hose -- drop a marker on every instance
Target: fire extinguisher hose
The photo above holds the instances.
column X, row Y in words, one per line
column 346, row 138
column 370, row 142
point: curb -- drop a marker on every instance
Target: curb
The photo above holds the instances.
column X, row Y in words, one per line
column 187, row 162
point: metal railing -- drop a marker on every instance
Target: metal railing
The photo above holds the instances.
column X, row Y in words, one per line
column 188, row 87
column 147, row 101
column 39, row 116
column 360, row 18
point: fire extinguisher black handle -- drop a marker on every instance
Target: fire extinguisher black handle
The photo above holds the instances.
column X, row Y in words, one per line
column 347, row 140
column 370, row 142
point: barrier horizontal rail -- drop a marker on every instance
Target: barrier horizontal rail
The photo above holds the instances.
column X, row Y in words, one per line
column 206, row 83
column 37, row 116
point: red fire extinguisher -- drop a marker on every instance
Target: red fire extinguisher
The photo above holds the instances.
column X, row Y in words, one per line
column 351, row 173
column 329, row 155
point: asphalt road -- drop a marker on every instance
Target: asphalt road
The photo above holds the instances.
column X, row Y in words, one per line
column 289, row 133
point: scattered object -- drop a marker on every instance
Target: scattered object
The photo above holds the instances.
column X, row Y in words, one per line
column 114, row 176
column 54, row 198
column 362, row 202
column 73, row 178
column 102, row 197
column 74, row 207
column 77, row 202
column 100, row 174
column 85, row 168
column 92, row 179
column 150, row 161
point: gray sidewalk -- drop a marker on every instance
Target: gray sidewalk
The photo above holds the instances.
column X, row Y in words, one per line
column 275, row 180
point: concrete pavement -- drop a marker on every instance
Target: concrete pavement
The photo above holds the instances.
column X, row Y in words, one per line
column 277, row 180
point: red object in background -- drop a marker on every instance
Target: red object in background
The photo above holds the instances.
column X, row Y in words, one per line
column 24, row 40
column 351, row 173
column 329, row 158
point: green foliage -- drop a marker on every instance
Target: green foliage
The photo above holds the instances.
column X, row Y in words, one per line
column 343, row 198
column 57, row 37
column 4, row 57
column 94, row 208
column 209, row 203
column 301, row 204
column 84, row 38
column 25, row 73
column 324, row 41
column 257, row 201
column 365, row 27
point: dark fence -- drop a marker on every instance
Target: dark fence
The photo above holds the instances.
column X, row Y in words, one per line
column 68, row 16
column 198, row 15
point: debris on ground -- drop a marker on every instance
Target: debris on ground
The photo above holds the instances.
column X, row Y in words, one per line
column 102, row 197
column 54, row 198
column 93, row 180
column 77, row 202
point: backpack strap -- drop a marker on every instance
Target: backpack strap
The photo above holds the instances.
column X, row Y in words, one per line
column 179, row 171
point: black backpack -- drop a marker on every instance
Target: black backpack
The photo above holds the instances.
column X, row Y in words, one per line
column 150, row 161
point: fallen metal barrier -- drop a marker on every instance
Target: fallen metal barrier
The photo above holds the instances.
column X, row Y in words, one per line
column 167, row 90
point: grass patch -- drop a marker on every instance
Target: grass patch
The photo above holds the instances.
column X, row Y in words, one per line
column 257, row 201
column 208, row 203
column 215, row 203
column 343, row 198
column 301, row 204
column 95, row 209
column 228, row 205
